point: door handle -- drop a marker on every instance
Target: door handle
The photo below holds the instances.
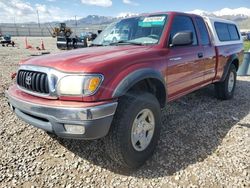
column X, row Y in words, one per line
column 200, row 55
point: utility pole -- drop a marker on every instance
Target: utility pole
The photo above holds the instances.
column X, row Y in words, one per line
column 38, row 19
column 17, row 34
column 75, row 25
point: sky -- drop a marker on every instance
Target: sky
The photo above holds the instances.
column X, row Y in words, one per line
column 59, row 10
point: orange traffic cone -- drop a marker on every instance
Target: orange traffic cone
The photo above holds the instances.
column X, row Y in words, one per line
column 42, row 45
column 27, row 46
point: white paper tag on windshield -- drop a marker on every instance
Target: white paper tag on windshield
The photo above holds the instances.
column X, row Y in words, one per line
column 154, row 19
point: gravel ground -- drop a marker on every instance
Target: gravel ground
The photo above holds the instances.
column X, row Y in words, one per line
column 204, row 143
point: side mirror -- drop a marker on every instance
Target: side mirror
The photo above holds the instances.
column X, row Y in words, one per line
column 182, row 39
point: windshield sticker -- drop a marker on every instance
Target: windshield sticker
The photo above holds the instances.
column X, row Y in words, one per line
column 152, row 21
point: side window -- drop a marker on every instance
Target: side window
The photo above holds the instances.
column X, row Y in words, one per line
column 234, row 35
column 226, row 32
column 183, row 23
column 203, row 31
column 222, row 31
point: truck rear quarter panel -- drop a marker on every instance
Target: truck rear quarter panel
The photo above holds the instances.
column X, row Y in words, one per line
column 226, row 54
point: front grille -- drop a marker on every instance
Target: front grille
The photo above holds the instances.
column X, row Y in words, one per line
column 33, row 81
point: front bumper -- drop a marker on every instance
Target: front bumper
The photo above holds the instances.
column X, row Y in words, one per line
column 95, row 119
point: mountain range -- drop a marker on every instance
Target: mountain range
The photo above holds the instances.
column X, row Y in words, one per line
column 240, row 15
column 243, row 12
column 92, row 20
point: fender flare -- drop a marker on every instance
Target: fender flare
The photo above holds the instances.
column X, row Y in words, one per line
column 135, row 77
column 227, row 66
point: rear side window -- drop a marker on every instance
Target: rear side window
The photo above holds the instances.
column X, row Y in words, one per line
column 222, row 31
column 234, row 35
column 226, row 32
column 203, row 31
column 183, row 23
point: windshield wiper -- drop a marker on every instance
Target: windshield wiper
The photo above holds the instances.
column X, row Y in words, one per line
column 126, row 42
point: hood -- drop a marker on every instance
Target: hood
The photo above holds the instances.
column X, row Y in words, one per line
column 86, row 59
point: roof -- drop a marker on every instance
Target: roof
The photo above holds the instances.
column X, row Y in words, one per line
column 215, row 19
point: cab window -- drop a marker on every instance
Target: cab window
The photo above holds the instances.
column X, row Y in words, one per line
column 180, row 24
column 203, row 31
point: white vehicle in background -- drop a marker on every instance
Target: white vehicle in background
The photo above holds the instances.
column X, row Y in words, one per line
column 117, row 35
column 244, row 35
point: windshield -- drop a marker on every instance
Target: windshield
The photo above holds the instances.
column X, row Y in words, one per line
column 144, row 30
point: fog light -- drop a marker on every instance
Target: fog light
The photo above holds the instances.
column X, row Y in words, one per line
column 75, row 129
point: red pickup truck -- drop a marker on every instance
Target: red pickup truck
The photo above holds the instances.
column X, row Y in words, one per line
column 116, row 88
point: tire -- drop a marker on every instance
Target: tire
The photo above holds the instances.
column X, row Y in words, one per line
column 67, row 34
column 118, row 143
column 225, row 90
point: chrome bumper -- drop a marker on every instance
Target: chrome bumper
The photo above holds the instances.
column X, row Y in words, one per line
column 96, row 120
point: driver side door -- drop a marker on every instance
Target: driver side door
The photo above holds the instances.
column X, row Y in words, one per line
column 185, row 67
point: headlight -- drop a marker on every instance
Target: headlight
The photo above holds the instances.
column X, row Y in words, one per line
column 77, row 85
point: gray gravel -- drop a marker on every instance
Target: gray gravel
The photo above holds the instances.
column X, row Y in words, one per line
column 204, row 143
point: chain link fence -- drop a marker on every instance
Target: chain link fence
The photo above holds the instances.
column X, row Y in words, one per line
column 43, row 31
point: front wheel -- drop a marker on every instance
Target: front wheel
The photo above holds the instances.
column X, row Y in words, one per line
column 135, row 130
column 225, row 90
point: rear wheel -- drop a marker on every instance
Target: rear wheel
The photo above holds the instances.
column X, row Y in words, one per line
column 225, row 90
column 135, row 130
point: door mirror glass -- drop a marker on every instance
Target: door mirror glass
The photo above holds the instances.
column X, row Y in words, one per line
column 182, row 39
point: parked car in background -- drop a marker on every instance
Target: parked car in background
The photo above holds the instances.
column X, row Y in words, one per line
column 89, row 35
column 117, row 35
column 5, row 40
column 248, row 36
column 116, row 91
column 244, row 35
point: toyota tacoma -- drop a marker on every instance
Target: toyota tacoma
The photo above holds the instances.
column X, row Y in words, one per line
column 115, row 89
